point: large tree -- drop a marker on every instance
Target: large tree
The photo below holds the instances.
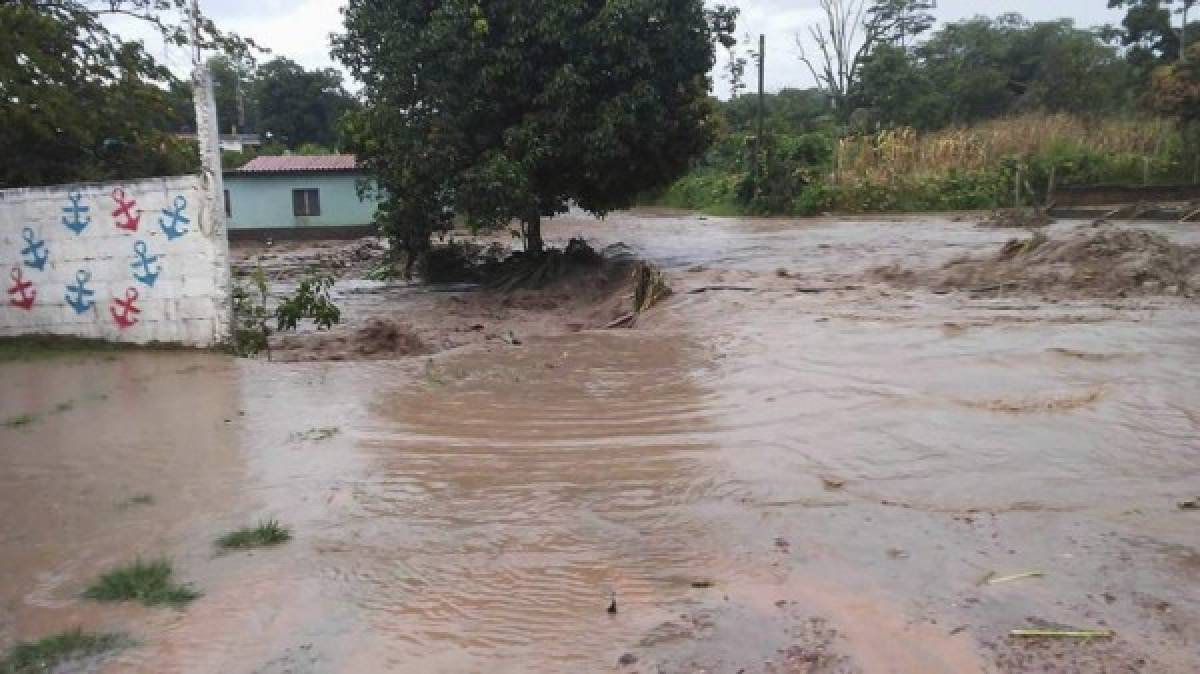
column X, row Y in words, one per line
column 982, row 68
column 77, row 102
column 514, row 109
column 1176, row 89
column 1148, row 30
column 298, row 106
column 849, row 33
column 237, row 111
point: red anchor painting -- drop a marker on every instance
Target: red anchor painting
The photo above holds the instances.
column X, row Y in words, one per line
column 122, row 317
column 22, row 289
column 125, row 210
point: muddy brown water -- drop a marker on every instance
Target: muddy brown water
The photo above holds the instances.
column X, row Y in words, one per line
column 768, row 478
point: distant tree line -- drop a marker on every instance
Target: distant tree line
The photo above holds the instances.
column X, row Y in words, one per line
column 279, row 99
column 884, row 72
column 878, row 64
column 78, row 103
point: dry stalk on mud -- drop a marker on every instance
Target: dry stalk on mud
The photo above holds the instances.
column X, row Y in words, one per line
column 649, row 288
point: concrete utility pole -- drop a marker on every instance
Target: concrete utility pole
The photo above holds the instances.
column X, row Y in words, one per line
column 212, row 210
column 762, row 68
column 755, row 174
column 1183, row 42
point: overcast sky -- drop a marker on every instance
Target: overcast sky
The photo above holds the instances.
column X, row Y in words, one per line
column 299, row 29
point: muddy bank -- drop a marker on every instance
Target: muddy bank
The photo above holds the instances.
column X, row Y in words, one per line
column 388, row 319
column 291, row 260
column 1090, row 261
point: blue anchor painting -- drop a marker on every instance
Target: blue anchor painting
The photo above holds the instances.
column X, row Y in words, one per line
column 141, row 268
column 173, row 230
column 78, row 222
column 81, row 301
column 35, row 252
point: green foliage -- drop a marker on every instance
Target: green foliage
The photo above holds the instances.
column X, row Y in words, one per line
column 955, row 191
column 513, row 109
column 147, row 582
column 266, row 534
column 1148, row 32
column 79, row 104
column 299, row 107
column 984, row 68
column 251, row 335
column 236, row 108
column 788, row 111
column 311, row 300
column 18, row 421
column 52, row 653
column 1176, row 89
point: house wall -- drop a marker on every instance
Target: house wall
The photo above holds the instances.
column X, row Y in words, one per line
column 152, row 266
column 261, row 202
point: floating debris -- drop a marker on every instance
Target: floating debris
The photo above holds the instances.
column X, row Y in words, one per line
column 993, row 579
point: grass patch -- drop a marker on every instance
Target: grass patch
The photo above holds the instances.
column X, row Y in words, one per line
column 266, row 534
column 18, row 422
column 31, row 347
column 147, row 582
column 64, row 407
column 45, row 655
column 137, row 500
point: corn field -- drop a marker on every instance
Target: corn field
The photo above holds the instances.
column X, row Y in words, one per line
column 905, row 154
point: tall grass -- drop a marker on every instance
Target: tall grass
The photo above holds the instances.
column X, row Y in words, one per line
column 1140, row 146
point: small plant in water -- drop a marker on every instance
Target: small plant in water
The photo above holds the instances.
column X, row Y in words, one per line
column 315, row 434
column 147, row 582
column 266, row 534
column 51, row 653
column 19, row 421
column 250, row 316
column 138, row 500
column 310, row 301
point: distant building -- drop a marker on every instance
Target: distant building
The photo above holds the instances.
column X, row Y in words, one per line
column 298, row 197
column 230, row 142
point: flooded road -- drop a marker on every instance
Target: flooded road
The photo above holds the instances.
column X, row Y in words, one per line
column 785, row 468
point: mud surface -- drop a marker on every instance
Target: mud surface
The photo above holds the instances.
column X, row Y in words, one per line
column 396, row 318
column 1091, row 261
column 788, row 466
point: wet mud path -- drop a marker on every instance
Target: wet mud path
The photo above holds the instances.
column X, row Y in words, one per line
column 785, row 468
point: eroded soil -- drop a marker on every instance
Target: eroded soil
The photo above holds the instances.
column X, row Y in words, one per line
column 791, row 465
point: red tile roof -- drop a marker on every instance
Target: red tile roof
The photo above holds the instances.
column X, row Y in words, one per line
column 295, row 163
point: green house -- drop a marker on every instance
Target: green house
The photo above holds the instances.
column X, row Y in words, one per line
column 283, row 197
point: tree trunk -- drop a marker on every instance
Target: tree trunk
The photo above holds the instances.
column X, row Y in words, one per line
column 533, row 234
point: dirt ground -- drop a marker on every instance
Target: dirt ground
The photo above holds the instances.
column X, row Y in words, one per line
column 840, row 446
column 396, row 318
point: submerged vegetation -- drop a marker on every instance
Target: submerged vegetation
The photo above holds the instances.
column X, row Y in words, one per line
column 51, row 653
column 266, row 534
column 147, row 582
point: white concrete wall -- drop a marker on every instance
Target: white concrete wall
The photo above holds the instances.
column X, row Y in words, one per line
column 178, row 290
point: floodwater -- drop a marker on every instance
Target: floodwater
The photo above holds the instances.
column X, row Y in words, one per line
column 776, row 472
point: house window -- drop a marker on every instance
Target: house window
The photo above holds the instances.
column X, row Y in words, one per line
column 306, row 202
column 228, row 206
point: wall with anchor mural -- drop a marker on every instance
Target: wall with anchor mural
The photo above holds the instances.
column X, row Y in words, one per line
column 127, row 262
